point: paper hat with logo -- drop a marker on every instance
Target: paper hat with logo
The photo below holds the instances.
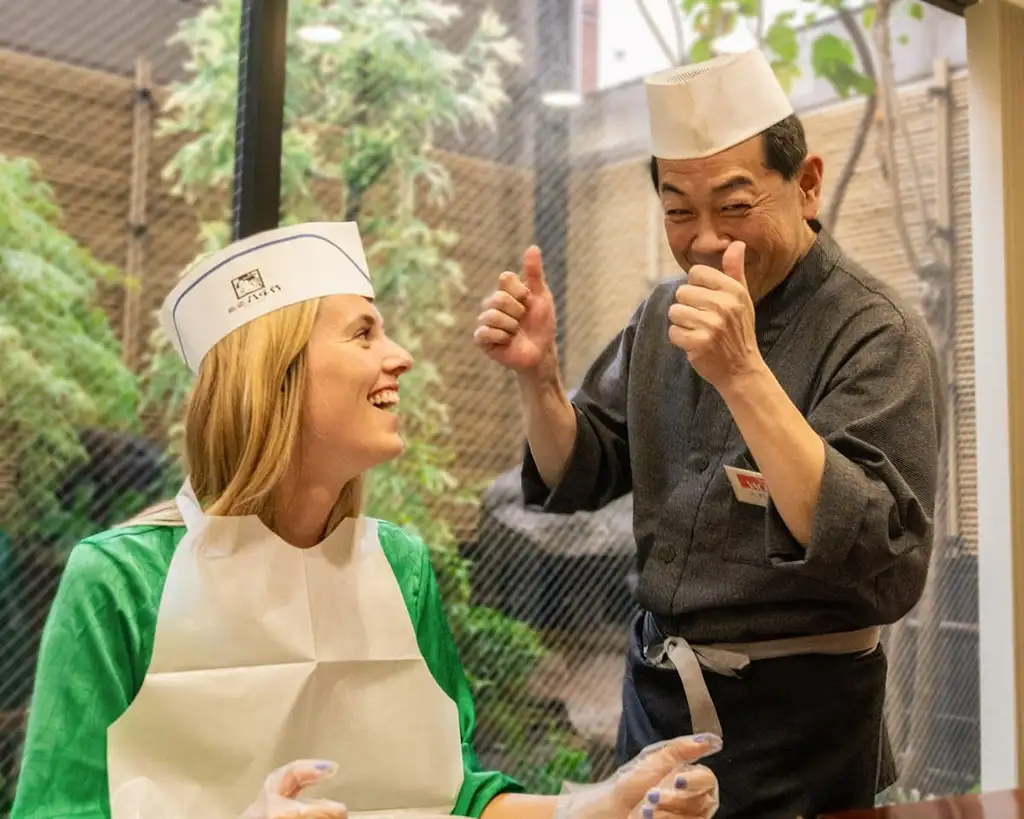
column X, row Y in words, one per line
column 257, row 275
column 703, row 109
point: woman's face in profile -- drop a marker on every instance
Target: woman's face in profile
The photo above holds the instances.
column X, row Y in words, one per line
column 352, row 395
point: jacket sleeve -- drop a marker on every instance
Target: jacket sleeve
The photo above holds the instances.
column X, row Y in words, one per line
column 598, row 470
column 83, row 684
column 881, row 419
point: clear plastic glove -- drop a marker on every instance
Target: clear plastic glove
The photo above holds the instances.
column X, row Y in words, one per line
column 279, row 797
column 692, row 794
column 662, row 781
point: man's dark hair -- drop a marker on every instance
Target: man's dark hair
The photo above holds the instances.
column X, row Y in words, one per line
column 785, row 149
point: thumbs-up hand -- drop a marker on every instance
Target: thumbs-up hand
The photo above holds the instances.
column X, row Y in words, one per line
column 712, row 320
column 517, row 326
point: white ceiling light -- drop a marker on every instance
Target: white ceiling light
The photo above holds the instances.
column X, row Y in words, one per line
column 737, row 41
column 320, row 34
column 561, row 99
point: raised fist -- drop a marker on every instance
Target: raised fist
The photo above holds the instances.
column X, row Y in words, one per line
column 517, row 326
column 712, row 320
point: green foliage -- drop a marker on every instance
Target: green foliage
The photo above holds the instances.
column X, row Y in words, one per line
column 498, row 654
column 60, row 363
column 63, row 529
column 566, row 765
column 361, row 119
column 832, row 58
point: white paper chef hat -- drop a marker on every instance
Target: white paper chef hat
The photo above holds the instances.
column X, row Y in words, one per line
column 257, row 275
column 702, row 109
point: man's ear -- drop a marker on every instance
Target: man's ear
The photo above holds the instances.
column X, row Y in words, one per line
column 809, row 179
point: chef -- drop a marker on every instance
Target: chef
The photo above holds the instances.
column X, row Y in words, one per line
column 259, row 648
column 776, row 413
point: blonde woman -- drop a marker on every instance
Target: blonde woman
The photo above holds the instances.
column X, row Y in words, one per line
column 258, row 648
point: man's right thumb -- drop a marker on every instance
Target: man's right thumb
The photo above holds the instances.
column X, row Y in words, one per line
column 533, row 269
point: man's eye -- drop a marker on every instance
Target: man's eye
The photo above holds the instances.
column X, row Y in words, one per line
column 737, row 207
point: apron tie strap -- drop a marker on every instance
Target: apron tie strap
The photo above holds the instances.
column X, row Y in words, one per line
column 188, row 505
column 727, row 659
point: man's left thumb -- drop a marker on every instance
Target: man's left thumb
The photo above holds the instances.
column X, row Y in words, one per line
column 732, row 262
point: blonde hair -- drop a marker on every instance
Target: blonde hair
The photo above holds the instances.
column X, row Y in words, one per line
column 244, row 418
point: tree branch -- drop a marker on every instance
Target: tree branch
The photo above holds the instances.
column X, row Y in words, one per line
column 860, row 137
column 677, row 25
column 666, row 49
column 915, row 177
column 883, row 44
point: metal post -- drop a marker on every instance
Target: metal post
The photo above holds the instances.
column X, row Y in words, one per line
column 551, row 153
column 259, row 121
column 135, row 261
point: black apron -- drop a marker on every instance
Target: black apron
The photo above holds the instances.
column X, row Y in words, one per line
column 803, row 735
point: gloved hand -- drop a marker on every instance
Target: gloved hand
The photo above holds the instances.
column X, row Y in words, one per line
column 689, row 795
column 661, row 782
column 279, row 797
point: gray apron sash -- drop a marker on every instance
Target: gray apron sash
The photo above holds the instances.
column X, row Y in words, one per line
column 689, row 661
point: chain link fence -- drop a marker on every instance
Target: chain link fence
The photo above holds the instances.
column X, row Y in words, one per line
column 439, row 126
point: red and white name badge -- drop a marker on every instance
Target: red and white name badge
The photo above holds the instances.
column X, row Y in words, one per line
column 749, row 487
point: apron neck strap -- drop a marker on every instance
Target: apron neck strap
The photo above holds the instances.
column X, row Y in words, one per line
column 188, row 505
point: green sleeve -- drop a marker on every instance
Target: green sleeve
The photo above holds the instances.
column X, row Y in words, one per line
column 93, row 657
column 410, row 560
column 83, row 684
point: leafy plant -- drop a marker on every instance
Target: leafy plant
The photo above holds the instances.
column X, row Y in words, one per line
column 567, row 765
column 60, row 363
column 361, row 119
column 65, row 527
column 838, row 60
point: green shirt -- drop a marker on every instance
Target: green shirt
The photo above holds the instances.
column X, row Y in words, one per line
column 98, row 642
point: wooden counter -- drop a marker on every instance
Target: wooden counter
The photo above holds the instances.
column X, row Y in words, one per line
column 998, row 805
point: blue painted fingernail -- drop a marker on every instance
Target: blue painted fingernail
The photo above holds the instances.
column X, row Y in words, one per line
column 709, row 739
column 680, row 781
column 324, row 766
column 648, row 812
column 653, row 797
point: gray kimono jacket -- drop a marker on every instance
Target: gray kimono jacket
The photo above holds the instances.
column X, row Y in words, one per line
column 859, row 365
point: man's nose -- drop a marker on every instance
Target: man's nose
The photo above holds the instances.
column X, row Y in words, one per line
column 708, row 245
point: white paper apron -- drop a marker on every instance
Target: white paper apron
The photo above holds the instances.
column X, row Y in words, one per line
column 264, row 653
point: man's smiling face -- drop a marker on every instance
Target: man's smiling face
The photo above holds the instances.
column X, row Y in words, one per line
column 732, row 196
